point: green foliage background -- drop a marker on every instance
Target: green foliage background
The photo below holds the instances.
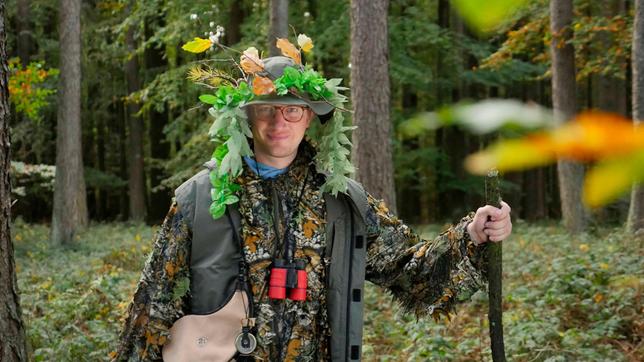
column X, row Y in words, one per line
column 566, row 300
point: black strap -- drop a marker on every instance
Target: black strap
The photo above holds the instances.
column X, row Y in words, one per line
column 243, row 265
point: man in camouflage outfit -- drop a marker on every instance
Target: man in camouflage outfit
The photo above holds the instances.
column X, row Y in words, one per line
column 281, row 202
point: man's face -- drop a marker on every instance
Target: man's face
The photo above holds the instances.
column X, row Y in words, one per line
column 278, row 131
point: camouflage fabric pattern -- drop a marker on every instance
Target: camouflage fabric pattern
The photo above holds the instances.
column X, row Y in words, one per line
column 287, row 209
column 160, row 297
column 428, row 277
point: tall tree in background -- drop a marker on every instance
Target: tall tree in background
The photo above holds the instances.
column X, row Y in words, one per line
column 564, row 104
column 636, row 211
column 70, row 203
column 372, row 149
column 278, row 26
column 136, row 177
column 12, row 331
column 25, row 40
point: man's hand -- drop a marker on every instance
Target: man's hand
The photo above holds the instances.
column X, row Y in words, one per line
column 496, row 229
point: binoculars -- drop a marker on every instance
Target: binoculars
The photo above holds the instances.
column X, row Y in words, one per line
column 288, row 277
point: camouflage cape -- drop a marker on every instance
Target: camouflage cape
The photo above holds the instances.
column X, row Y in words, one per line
column 428, row 277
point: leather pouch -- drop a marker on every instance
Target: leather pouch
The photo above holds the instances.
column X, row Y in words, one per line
column 210, row 337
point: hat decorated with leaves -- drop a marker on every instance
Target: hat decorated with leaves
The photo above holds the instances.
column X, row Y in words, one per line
column 273, row 80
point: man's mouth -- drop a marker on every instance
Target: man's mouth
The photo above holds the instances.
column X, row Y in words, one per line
column 278, row 136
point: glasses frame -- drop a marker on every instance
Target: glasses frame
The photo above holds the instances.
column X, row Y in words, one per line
column 281, row 109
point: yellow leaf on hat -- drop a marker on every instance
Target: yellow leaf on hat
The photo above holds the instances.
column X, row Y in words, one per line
column 305, row 43
column 250, row 61
column 262, row 86
column 289, row 50
column 197, row 46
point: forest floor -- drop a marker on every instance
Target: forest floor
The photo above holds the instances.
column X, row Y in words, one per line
column 566, row 298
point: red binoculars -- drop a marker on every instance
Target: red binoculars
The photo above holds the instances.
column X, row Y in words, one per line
column 288, row 277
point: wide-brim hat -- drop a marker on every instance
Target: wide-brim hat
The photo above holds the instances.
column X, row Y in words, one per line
column 273, row 69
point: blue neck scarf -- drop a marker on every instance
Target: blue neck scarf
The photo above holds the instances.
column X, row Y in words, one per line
column 264, row 171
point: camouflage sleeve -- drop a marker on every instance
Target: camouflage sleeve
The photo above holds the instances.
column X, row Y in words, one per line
column 159, row 299
column 426, row 276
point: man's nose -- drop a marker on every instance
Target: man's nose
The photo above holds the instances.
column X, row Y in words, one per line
column 278, row 117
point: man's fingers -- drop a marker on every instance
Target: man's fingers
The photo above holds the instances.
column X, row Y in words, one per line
column 496, row 225
column 496, row 233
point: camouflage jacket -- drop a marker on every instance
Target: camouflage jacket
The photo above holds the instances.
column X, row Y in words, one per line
column 428, row 277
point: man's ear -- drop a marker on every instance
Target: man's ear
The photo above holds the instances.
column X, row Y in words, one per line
column 310, row 116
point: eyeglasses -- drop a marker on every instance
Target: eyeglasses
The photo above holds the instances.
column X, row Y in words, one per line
column 265, row 112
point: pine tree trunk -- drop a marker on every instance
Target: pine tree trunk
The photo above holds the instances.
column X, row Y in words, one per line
column 136, row 179
column 70, row 200
column 636, row 210
column 372, row 149
column 12, row 331
column 278, row 26
column 564, row 104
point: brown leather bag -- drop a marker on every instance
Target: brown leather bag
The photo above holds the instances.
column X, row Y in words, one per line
column 210, row 337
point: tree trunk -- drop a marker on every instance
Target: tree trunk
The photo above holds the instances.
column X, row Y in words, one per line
column 12, row 331
column 636, row 210
column 136, row 179
column 235, row 20
column 278, row 26
column 372, row 149
column 564, row 104
column 611, row 91
column 70, row 204
column 122, row 129
column 159, row 146
column 24, row 38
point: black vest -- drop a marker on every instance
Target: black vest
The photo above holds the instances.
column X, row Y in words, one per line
column 214, row 262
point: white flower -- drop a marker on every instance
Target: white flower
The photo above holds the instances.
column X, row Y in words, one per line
column 307, row 14
column 212, row 23
column 193, row 16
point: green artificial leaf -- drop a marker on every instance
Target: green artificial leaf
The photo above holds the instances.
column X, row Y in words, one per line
column 220, row 152
column 245, row 128
column 231, row 199
column 208, row 99
column 217, row 210
column 224, row 167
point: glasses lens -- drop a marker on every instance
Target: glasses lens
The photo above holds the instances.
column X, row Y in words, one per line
column 264, row 111
column 292, row 113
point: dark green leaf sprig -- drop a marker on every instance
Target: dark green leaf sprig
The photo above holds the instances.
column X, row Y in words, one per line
column 307, row 81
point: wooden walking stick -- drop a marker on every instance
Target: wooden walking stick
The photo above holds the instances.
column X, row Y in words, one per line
column 494, row 271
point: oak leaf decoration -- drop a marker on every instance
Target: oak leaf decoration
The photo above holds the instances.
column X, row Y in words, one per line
column 262, row 86
column 250, row 61
column 289, row 50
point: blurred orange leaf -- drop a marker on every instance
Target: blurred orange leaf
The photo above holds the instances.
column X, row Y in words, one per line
column 197, row 45
column 262, row 86
column 596, row 135
column 289, row 50
column 590, row 136
column 250, row 61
